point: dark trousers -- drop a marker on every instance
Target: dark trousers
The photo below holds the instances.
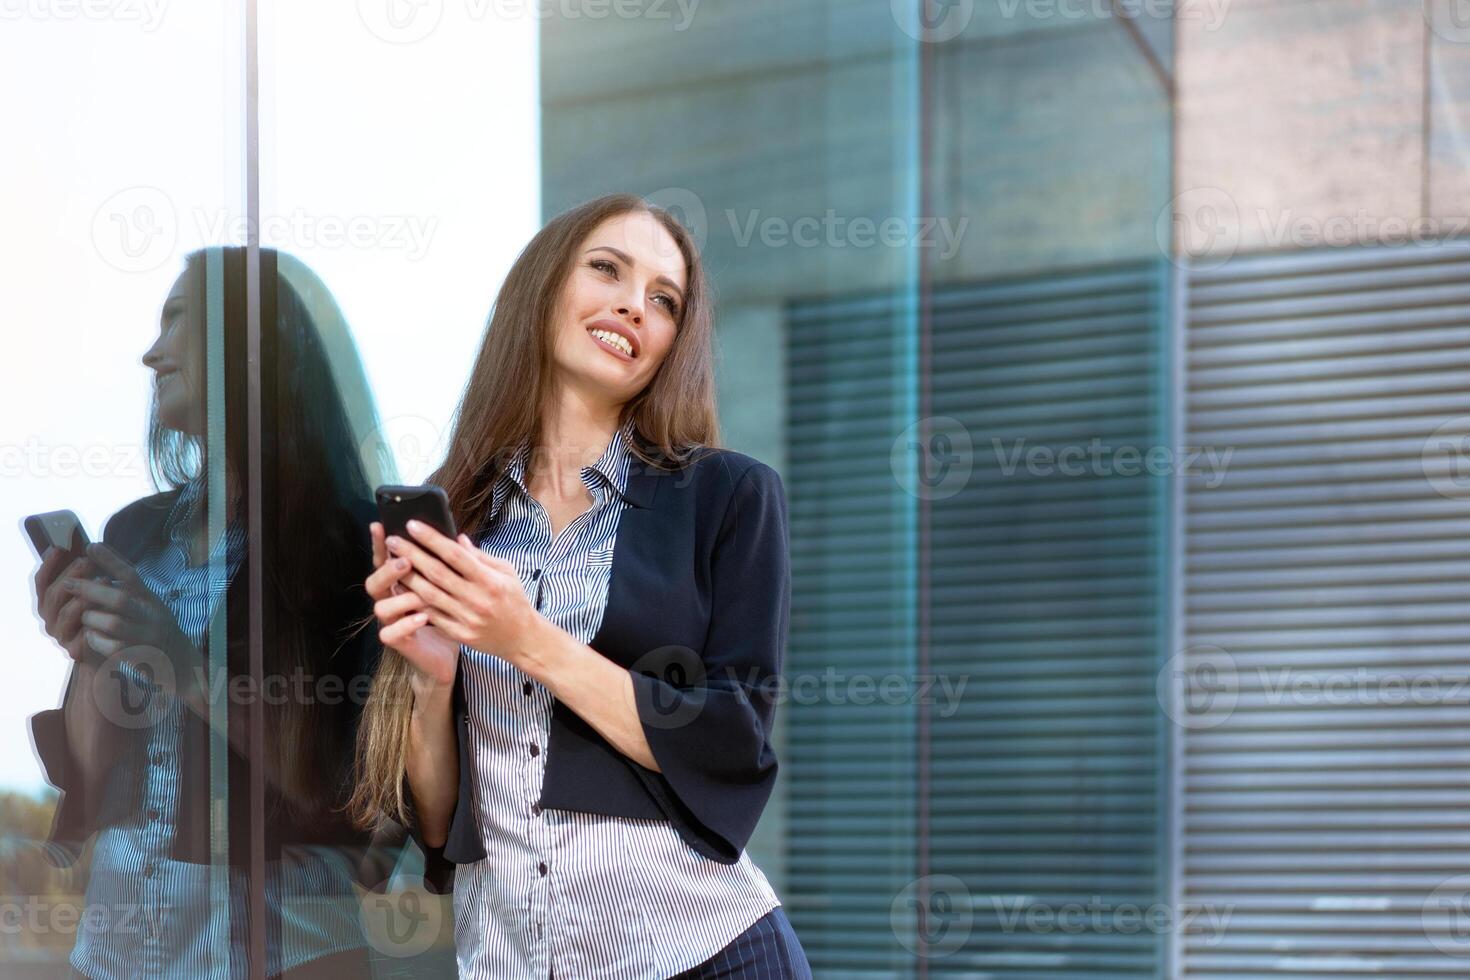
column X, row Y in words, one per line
column 768, row 950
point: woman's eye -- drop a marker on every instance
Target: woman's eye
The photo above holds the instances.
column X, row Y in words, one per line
column 603, row 265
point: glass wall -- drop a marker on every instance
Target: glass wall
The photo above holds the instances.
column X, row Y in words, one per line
column 1109, row 354
column 124, row 161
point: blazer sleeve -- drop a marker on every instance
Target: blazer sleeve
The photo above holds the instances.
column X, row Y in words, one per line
column 438, row 869
column 710, row 734
column 70, row 825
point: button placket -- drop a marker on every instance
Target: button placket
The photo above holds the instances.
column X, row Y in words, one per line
column 533, row 835
column 529, row 705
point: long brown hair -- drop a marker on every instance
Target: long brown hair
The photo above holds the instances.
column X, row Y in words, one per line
column 508, row 390
column 317, row 487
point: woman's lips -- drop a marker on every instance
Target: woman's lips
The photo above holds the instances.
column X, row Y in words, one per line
column 608, row 347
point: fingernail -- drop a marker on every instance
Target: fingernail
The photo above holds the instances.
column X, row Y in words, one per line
column 394, row 541
column 69, row 585
column 414, row 525
column 400, row 564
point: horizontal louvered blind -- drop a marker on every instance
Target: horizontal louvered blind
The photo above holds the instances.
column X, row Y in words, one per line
column 848, row 766
column 1044, row 629
column 1045, row 597
column 1327, row 577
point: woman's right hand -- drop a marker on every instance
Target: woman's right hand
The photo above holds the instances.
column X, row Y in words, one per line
column 404, row 625
column 61, row 610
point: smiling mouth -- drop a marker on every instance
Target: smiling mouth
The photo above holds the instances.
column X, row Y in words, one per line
column 609, row 345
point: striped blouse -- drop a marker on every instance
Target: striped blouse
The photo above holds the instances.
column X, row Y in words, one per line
column 165, row 919
column 587, row 895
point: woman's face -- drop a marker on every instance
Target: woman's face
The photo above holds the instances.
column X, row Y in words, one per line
column 628, row 279
column 176, row 362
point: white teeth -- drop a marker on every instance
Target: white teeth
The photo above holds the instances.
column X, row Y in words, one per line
column 616, row 339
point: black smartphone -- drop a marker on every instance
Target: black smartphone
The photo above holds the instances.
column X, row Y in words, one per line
column 428, row 503
column 57, row 529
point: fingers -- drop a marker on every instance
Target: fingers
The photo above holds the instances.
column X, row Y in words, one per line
column 426, row 564
column 453, row 553
column 433, row 596
column 101, row 642
column 390, row 609
column 380, row 550
column 447, row 624
column 114, row 564
column 69, row 621
column 57, row 593
column 380, row 583
column 52, row 562
column 499, row 564
column 102, row 596
column 109, row 623
column 396, row 634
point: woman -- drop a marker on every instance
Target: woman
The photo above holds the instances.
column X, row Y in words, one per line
column 141, row 784
column 573, row 716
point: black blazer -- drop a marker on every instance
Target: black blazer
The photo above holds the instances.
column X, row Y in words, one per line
column 698, row 608
column 130, row 532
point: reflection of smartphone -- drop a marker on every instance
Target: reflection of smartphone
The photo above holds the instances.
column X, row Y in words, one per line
column 57, row 529
column 428, row 503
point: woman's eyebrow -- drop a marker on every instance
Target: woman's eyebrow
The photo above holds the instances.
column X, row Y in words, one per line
column 628, row 260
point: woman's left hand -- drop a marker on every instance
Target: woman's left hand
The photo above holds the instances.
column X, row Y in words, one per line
column 474, row 598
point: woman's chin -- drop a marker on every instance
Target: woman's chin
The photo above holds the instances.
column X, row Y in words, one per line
column 180, row 420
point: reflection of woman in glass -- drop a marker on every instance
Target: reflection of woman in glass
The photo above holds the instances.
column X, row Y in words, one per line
column 144, row 746
column 574, row 715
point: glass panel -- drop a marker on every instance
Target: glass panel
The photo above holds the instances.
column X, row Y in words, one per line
column 1004, row 288
column 393, row 205
column 122, row 416
column 789, row 137
column 1046, row 520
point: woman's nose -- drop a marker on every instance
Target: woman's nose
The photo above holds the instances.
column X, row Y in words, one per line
column 636, row 313
column 153, row 355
